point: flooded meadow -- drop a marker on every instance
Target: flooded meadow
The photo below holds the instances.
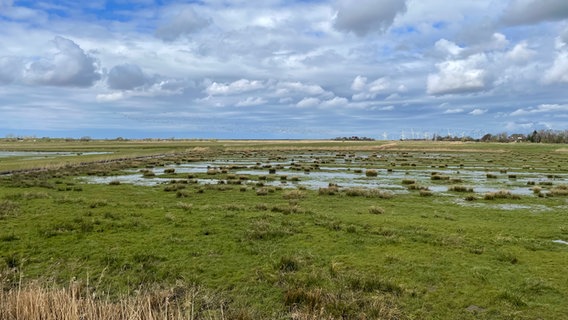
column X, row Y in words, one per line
column 264, row 230
column 445, row 174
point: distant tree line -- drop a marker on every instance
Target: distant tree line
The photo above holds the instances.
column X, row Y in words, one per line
column 540, row 136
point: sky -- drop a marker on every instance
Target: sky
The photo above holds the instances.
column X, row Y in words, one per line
column 277, row 69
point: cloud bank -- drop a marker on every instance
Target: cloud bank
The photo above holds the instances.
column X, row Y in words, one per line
column 282, row 69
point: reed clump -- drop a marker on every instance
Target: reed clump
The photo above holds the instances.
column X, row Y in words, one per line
column 560, row 190
column 34, row 301
column 368, row 193
column 501, row 194
column 460, row 188
column 371, row 173
column 436, row 176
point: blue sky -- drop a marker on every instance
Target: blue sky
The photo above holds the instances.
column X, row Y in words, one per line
column 282, row 69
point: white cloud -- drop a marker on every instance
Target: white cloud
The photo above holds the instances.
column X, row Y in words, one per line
column 368, row 91
column 558, row 72
column 335, row 103
column 534, row 11
column 289, row 87
column 521, row 53
column 317, row 57
column 110, row 97
column 66, row 65
column 378, row 85
column 362, row 96
column 478, row 112
column 456, row 110
column 239, row 86
column 458, row 76
column 498, row 41
column 251, row 102
column 366, row 16
column 543, row 108
column 308, row 103
column 359, row 83
column 446, row 46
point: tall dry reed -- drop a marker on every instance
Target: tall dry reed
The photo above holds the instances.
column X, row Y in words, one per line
column 37, row 302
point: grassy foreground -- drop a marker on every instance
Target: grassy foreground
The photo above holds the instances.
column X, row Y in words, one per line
column 245, row 249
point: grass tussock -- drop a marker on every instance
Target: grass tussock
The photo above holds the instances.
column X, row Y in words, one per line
column 460, row 188
column 331, row 190
column 317, row 303
column 439, row 177
column 560, row 190
column 148, row 174
column 262, row 191
column 512, row 297
column 376, row 210
column 185, row 206
column 293, row 194
column 8, row 208
column 288, row 264
column 368, row 193
column 501, row 194
column 265, row 230
column 371, row 173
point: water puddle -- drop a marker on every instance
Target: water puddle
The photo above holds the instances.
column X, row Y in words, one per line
column 536, row 208
column 135, row 179
column 318, row 171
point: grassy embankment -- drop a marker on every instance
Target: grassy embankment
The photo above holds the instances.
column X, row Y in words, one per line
column 248, row 250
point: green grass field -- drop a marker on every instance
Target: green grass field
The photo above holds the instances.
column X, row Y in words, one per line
column 248, row 246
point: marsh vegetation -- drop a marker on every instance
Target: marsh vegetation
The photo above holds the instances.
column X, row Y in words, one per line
column 287, row 230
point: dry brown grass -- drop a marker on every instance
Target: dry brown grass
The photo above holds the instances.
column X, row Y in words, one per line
column 34, row 302
column 560, row 190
